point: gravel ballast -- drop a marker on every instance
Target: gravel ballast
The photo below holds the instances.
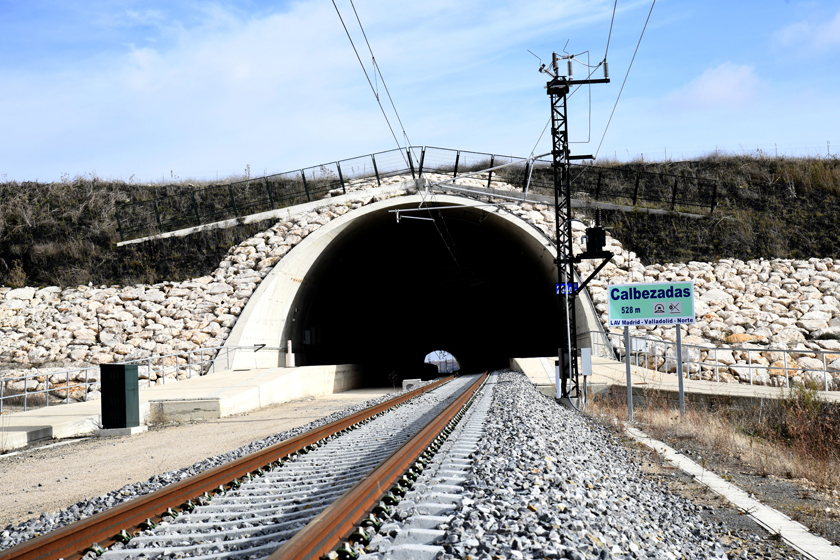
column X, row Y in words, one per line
column 548, row 483
column 545, row 482
column 49, row 521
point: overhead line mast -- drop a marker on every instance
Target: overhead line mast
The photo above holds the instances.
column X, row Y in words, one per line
column 558, row 90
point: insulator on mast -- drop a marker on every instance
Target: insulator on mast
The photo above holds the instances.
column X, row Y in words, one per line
column 570, row 67
column 606, row 70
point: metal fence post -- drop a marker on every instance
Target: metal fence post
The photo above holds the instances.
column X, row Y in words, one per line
column 195, row 208
column 490, row 173
column 340, row 177
column 749, row 364
column 376, row 170
column 636, row 189
column 233, row 200
column 636, row 354
column 674, row 195
column 598, row 187
column 714, row 198
column 410, row 163
column 527, row 174
column 825, row 372
column 268, row 190
column 457, row 157
column 655, row 358
column 787, row 378
column 119, row 224
column 305, row 186
column 157, row 214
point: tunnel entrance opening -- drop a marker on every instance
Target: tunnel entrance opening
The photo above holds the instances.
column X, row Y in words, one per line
column 442, row 361
column 384, row 294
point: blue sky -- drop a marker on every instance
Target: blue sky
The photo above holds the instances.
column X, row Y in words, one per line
column 191, row 89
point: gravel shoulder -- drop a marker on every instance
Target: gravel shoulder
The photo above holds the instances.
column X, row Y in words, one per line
column 49, row 479
column 739, row 532
column 818, row 509
column 547, row 482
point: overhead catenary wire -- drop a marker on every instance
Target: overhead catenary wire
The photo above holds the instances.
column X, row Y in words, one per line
column 381, row 77
column 589, row 89
column 368, row 79
column 449, row 246
column 609, row 35
column 625, row 78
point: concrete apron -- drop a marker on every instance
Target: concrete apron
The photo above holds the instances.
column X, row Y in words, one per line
column 794, row 534
column 201, row 398
column 609, row 377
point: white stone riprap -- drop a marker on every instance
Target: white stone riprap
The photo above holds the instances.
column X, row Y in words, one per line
column 785, row 312
column 766, row 306
column 43, row 329
column 757, row 304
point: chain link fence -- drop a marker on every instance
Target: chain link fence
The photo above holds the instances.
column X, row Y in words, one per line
column 215, row 203
column 223, row 202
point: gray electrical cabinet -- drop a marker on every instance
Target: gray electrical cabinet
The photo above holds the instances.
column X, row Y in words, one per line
column 120, row 396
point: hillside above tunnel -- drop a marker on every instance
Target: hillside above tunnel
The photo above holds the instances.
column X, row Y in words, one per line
column 65, row 234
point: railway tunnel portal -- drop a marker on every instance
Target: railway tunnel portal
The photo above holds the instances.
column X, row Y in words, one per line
column 370, row 289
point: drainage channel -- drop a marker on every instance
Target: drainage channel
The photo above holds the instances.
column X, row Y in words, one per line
column 261, row 512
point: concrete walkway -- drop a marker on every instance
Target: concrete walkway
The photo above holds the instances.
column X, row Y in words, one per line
column 211, row 396
column 610, row 375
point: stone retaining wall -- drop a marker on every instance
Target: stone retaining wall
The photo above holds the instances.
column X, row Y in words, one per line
column 764, row 306
column 783, row 303
column 83, row 326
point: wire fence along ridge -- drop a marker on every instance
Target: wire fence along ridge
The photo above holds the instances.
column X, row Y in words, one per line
column 215, row 203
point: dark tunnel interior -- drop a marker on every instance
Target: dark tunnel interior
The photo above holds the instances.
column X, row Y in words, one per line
column 385, row 294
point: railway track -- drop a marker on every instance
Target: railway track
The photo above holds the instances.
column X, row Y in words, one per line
column 301, row 498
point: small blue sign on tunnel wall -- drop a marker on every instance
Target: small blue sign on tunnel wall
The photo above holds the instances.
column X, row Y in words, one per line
column 566, row 288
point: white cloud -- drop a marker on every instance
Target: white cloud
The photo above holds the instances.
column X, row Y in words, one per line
column 806, row 35
column 725, row 87
column 280, row 90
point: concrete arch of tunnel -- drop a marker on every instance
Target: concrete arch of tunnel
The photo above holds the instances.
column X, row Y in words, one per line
column 364, row 289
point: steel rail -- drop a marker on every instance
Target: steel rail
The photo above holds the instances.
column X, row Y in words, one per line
column 332, row 526
column 69, row 542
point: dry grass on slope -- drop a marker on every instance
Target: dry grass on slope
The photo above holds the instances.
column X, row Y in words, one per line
column 786, row 451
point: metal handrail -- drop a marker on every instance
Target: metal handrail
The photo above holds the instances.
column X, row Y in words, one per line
column 272, row 192
column 153, row 365
column 646, row 354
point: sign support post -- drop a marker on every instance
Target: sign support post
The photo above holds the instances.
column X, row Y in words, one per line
column 680, row 369
column 658, row 303
column 629, row 377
